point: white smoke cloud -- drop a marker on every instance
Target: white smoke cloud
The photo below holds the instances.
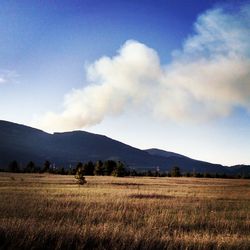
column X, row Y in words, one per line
column 208, row 78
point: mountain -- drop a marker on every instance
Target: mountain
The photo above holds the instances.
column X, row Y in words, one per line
column 243, row 170
column 163, row 153
column 23, row 143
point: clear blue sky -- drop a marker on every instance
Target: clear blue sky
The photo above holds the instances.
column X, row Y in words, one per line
column 47, row 47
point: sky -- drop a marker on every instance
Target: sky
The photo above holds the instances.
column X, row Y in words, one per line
column 173, row 75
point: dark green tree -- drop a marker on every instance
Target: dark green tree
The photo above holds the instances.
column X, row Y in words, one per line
column 207, row 175
column 79, row 165
column 133, row 172
column 46, row 166
column 89, row 168
column 198, row 175
column 149, row 173
column 175, row 172
column 14, row 167
column 109, row 166
column 217, row 175
column 62, row 171
column 80, row 176
column 30, row 167
column 99, row 169
column 120, row 170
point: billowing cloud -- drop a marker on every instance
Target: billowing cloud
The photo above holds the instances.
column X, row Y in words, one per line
column 208, row 78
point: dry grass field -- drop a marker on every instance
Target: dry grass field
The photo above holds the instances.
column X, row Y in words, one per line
column 42, row 211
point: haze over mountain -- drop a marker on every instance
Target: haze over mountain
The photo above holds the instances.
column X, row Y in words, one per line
column 23, row 143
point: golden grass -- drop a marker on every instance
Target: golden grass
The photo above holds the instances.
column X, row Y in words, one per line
column 39, row 211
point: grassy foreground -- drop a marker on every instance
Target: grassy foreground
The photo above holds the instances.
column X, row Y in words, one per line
column 39, row 211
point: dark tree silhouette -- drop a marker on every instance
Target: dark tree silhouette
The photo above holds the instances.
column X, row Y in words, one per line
column 89, row 168
column 120, row 170
column 109, row 167
column 30, row 168
column 99, row 169
column 175, row 172
column 14, row 167
column 46, row 166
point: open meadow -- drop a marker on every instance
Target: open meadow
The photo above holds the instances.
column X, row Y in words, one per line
column 43, row 211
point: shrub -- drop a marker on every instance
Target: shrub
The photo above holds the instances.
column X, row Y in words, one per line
column 80, row 176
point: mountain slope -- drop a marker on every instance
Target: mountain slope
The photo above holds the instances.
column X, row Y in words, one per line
column 23, row 143
column 243, row 170
column 163, row 153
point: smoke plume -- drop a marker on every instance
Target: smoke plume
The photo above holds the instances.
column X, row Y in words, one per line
column 208, row 78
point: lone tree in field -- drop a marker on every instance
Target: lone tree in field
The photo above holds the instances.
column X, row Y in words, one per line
column 80, row 176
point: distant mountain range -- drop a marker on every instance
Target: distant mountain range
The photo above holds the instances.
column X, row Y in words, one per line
column 23, row 143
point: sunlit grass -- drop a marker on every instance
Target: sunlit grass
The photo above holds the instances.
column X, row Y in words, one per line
column 38, row 211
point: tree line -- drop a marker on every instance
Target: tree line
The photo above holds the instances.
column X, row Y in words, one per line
column 114, row 168
column 176, row 172
column 109, row 167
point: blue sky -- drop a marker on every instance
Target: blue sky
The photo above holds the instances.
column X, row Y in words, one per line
column 114, row 67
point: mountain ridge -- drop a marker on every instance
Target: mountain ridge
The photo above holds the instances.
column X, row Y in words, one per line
column 23, row 143
column 164, row 153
